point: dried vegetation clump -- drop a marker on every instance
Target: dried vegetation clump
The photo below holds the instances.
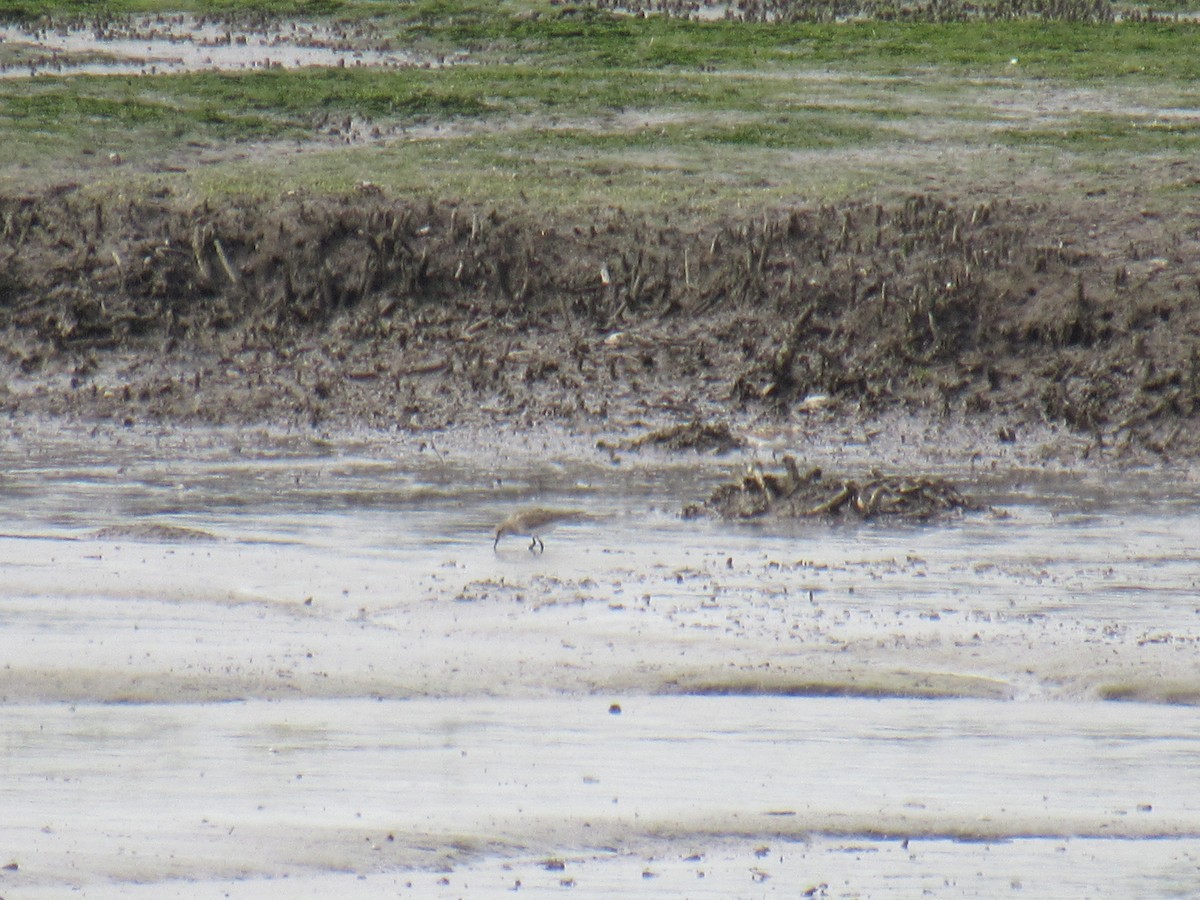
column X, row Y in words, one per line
column 378, row 310
column 797, row 494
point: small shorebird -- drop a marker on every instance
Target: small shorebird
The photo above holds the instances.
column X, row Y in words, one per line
column 533, row 523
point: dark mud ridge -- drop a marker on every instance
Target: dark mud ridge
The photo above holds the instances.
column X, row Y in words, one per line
column 365, row 310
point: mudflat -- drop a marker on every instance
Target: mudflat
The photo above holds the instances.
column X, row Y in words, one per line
column 866, row 337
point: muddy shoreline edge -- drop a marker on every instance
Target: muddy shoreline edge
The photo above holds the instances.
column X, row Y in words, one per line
column 365, row 311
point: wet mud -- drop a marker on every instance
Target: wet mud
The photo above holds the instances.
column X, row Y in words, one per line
column 368, row 311
column 654, row 703
column 216, row 638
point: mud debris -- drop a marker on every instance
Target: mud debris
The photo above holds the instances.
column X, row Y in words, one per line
column 808, row 494
column 152, row 532
column 716, row 438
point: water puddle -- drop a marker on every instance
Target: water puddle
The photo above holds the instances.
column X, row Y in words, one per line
column 151, row 45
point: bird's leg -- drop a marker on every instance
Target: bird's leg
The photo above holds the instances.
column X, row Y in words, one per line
column 496, row 544
column 537, row 542
column 532, row 544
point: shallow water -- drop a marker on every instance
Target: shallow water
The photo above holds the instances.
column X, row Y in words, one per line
column 180, row 43
column 277, row 665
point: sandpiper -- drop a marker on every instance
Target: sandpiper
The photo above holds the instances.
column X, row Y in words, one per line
column 533, row 523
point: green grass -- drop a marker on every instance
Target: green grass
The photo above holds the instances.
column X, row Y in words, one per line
column 262, row 103
column 801, row 129
column 614, row 109
column 1102, row 133
column 54, row 111
column 678, row 179
column 1046, row 49
column 590, row 39
column 305, row 93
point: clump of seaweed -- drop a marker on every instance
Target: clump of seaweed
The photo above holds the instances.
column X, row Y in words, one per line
column 797, row 494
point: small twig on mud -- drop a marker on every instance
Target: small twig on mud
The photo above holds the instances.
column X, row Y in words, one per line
column 475, row 327
column 198, row 253
column 781, row 364
column 427, row 368
column 230, row 273
column 120, row 268
column 501, row 360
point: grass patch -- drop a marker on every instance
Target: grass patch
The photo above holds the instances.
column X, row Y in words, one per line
column 411, row 94
column 589, row 104
column 681, row 164
column 57, row 119
column 799, row 130
column 48, row 111
column 216, row 105
column 587, row 38
column 1104, row 133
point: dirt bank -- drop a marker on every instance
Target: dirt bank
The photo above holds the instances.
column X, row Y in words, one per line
column 367, row 310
